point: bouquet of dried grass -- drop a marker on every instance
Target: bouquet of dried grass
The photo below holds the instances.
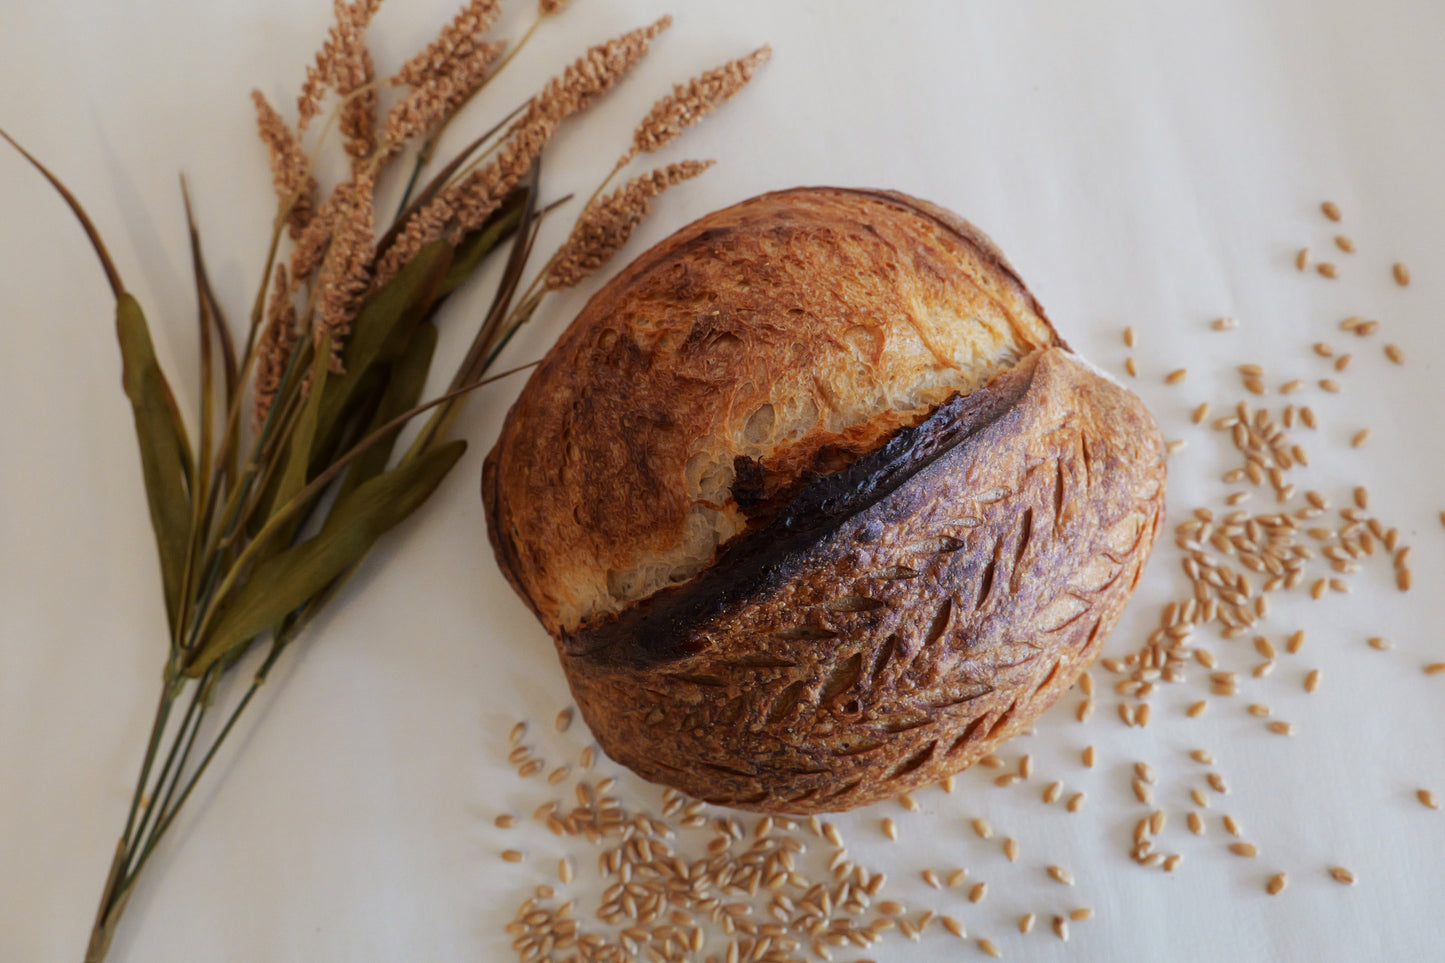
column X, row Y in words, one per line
column 293, row 477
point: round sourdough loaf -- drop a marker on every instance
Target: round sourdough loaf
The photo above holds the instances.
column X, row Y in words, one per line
column 816, row 504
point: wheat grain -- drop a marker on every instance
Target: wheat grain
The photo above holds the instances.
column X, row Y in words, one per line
column 1331, row 210
column 1401, row 274
column 1302, row 259
column 1342, row 875
column 1326, row 269
column 1345, row 243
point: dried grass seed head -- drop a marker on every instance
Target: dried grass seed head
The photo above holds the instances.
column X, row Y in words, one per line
column 606, row 224
column 456, row 43
column 290, row 167
column 338, row 62
column 691, row 102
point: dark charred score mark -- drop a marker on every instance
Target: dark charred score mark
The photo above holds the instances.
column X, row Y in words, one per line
column 939, row 625
column 1026, row 532
column 945, row 697
column 885, row 654
column 842, row 678
column 761, row 660
column 901, row 723
column 698, row 679
column 969, row 734
column 805, row 633
column 802, row 796
column 853, row 603
column 787, row 701
column 1004, row 718
column 719, row 767
column 1084, row 459
column 842, row 790
column 863, row 748
column 1059, row 493
column 914, row 762
column 895, row 572
column 986, row 583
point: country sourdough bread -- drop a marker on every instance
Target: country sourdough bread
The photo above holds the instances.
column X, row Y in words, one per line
column 816, row 504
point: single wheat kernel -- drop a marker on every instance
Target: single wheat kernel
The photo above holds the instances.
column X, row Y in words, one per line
column 1217, row 783
column 1061, row 928
column 953, row 926
column 1435, row 668
column 1259, row 711
column 1224, row 324
column 1402, row 580
column 1129, row 337
column 1246, row 850
column 1087, row 757
column 1026, row 922
column 1281, row 728
column 1201, row 757
column 1324, row 350
column 1076, row 802
column 506, row 821
column 1011, row 849
column 565, row 871
column 518, row 731
column 1143, row 793
column 1201, row 413
column 1276, row 884
column 1379, row 644
column 1312, row 680
column 1131, row 367
column 1051, row 793
column 931, row 878
column 1232, row 827
column 1394, row 353
column 988, row 948
column 1196, row 823
column 1401, row 273
column 955, row 878
column 982, row 829
column 1290, row 387
column 512, row 855
column 1199, row 798
column 1295, row 641
column 1342, row 875
column 1176, row 376
column 1172, row 861
column 1330, row 385
column 1326, row 269
column 1145, row 772
column 1345, row 243
column 890, row 829
column 1331, row 210
column 1427, row 799
column 1343, row 361
column 1360, row 437
column 978, row 892
column 1197, row 709
column 1061, row 875
column 1302, row 259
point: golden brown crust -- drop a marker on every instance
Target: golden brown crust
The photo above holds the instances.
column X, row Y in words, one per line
column 928, row 628
column 802, row 306
column 901, row 594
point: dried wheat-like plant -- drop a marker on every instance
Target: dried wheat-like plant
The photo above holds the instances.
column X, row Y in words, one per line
column 260, row 522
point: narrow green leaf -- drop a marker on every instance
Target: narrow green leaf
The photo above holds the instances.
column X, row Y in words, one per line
column 164, row 450
column 403, row 391
column 111, row 274
column 298, row 449
column 284, row 582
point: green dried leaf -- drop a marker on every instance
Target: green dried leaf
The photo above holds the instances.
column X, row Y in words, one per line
column 298, row 449
column 403, row 391
column 164, row 449
column 283, row 583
